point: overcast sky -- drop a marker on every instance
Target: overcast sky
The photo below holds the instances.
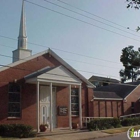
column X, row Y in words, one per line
column 100, row 39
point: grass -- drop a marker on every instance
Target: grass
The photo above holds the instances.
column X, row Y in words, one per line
column 1, row 138
column 120, row 130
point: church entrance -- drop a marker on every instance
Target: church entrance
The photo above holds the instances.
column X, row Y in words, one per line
column 45, row 106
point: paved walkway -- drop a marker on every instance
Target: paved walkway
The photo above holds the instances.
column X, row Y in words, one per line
column 64, row 134
column 78, row 136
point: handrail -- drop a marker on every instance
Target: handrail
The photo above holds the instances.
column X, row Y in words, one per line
column 88, row 119
column 130, row 115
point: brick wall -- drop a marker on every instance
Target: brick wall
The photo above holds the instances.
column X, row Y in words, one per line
column 28, row 95
column 62, row 99
column 103, row 108
column 133, row 97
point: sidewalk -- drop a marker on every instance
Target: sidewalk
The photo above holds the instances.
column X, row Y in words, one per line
column 79, row 136
column 70, row 135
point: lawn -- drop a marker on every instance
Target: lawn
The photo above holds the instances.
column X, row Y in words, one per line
column 7, row 138
column 21, row 139
column 120, row 130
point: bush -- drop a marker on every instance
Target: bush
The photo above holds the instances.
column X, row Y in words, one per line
column 16, row 130
column 130, row 121
column 100, row 124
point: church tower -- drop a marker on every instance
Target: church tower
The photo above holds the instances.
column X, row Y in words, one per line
column 22, row 52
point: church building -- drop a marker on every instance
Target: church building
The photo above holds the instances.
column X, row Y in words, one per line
column 42, row 88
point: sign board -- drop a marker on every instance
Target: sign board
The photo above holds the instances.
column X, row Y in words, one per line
column 62, row 111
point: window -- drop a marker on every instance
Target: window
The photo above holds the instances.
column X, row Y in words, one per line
column 14, row 100
column 132, row 107
column 132, row 104
column 75, row 102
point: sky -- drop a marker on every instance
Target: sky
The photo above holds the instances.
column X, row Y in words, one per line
column 91, row 42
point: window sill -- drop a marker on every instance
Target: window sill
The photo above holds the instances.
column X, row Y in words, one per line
column 13, row 118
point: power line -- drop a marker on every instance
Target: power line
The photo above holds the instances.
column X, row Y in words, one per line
column 6, row 46
column 96, row 73
column 77, row 70
column 82, row 21
column 2, row 55
column 90, row 63
column 94, row 15
column 89, row 17
column 63, row 50
column 50, row 73
column 46, row 73
column 16, row 68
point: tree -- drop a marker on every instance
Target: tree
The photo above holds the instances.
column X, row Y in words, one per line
column 131, row 62
column 133, row 4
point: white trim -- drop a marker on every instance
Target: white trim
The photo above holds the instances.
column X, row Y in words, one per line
column 107, row 98
column 70, row 119
column 57, row 58
column 38, row 106
column 70, row 68
column 91, row 86
column 59, row 82
column 51, row 120
column 80, row 107
column 132, row 91
column 33, row 80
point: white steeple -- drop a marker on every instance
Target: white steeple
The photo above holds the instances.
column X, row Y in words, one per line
column 22, row 38
column 22, row 52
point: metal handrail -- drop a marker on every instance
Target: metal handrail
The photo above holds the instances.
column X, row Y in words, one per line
column 130, row 115
column 88, row 119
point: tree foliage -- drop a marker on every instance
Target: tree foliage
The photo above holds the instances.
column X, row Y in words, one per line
column 131, row 62
column 133, row 4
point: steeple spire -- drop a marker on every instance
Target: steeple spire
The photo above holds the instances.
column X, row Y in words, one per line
column 22, row 38
column 22, row 52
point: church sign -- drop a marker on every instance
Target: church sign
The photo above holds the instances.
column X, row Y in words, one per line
column 62, row 111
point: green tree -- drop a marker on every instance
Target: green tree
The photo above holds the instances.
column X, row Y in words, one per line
column 131, row 62
column 133, row 4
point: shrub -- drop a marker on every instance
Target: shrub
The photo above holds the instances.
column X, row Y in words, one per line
column 106, row 123
column 16, row 130
column 130, row 121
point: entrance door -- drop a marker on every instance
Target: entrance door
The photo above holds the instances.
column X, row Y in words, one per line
column 45, row 105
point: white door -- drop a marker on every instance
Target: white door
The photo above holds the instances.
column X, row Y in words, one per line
column 45, row 105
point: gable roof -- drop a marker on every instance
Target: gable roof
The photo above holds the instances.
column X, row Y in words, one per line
column 106, row 95
column 57, row 74
column 103, row 79
column 122, row 90
column 65, row 64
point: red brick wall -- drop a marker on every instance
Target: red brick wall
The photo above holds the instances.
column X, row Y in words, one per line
column 63, row 100
column 103, row 108
column 133, row 97
column 108, row 109
column 90, row 103
column 28, row 106
column 28, row 95
column 62, row 97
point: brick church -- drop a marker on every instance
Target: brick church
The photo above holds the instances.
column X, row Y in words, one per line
column 43, row 88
